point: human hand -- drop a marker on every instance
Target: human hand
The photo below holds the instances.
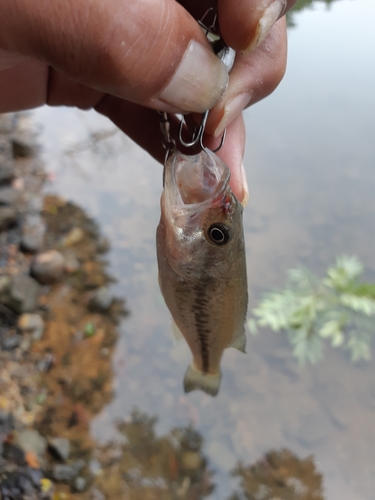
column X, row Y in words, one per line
column 127, row 58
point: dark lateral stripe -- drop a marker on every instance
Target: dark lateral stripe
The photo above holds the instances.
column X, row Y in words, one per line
column 201, row 324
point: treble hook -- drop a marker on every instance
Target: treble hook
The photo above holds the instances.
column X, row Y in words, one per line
column 198, row 135
column 227, row 56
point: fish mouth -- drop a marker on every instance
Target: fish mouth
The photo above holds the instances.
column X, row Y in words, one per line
column 197, row 180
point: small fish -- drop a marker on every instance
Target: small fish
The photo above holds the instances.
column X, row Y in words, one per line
column 202, row 265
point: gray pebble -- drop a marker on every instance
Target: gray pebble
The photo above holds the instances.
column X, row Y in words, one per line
column 48, row 267
column 46, row 363
column 96, row 495
column 6, row 161
column 67, row 473
column 25, row 345
column 31, row 440
column 60, row 447
column 8, row 196
column 79, row 483
column 101, row 299
column 21, row 294
column 4, row 283
column 78, row 465
column 71, row 261
column 33, row 230
column 62, row 472
column 32, row 323
column 7, row 123
column 23, row 146
column 95, row 467
column 8, row 217
column 10, row 342
column 35, row 204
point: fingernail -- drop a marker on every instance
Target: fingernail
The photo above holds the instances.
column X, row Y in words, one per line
column 232, row 108
column 245, row 187
column 199, row 82
column 268, row 19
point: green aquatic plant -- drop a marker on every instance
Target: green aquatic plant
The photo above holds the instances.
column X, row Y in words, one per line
column 338, row 308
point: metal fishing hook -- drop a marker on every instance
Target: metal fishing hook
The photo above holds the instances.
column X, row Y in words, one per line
column 198, row 134
column 227, row 56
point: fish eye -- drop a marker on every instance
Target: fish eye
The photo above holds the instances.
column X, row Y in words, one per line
column 219, row 234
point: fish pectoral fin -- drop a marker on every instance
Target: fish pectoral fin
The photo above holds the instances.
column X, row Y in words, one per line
column 197, row 380
column 177, row 335
column 239, row 342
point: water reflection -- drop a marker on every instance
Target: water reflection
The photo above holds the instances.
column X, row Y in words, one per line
column 279, row 474
column 339, row 308
column 300, row 6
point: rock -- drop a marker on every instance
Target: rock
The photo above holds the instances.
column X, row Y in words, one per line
column 6, row 422
column 96, row 494
column 8, row 196
column 7, row 172
column 31, row 323
column 35, row 204
column 101, row 300
column 33, row 230
column 6, row 161
column 8, row 217
column 71, row 261
column 25, row 345
column 95, row 467
column 73, row 237
column 62, row 472
column 48, row 267
column 46, row 363
column 6, row 123
column 10, row 342
column 22, row 484
column 23, row 146
column 21, row 294
column 59, row 448
column 31, row 440
column 79, row 483
column 14, row 454
column 4, row 283
column 103, row 245
column 67, row 473
column 191, row 460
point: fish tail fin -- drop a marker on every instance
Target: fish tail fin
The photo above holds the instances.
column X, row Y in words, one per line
column 195, row 379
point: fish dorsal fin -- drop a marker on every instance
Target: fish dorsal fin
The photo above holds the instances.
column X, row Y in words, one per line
column 197, row 380
column 239, row 342
column 177, row 335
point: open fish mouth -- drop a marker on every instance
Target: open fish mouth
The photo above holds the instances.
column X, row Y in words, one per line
column 197, row 179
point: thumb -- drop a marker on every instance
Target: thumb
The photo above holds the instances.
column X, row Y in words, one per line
column 151, row 52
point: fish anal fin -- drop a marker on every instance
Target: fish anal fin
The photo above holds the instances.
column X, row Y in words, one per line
column 177, row 335
column 197, row 380
column 239, row 342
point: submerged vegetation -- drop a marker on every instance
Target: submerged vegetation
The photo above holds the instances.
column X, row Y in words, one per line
column 339, row 309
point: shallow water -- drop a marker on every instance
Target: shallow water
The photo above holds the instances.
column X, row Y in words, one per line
column 310, row 163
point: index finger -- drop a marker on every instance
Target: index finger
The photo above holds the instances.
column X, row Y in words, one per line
column 244, row 24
